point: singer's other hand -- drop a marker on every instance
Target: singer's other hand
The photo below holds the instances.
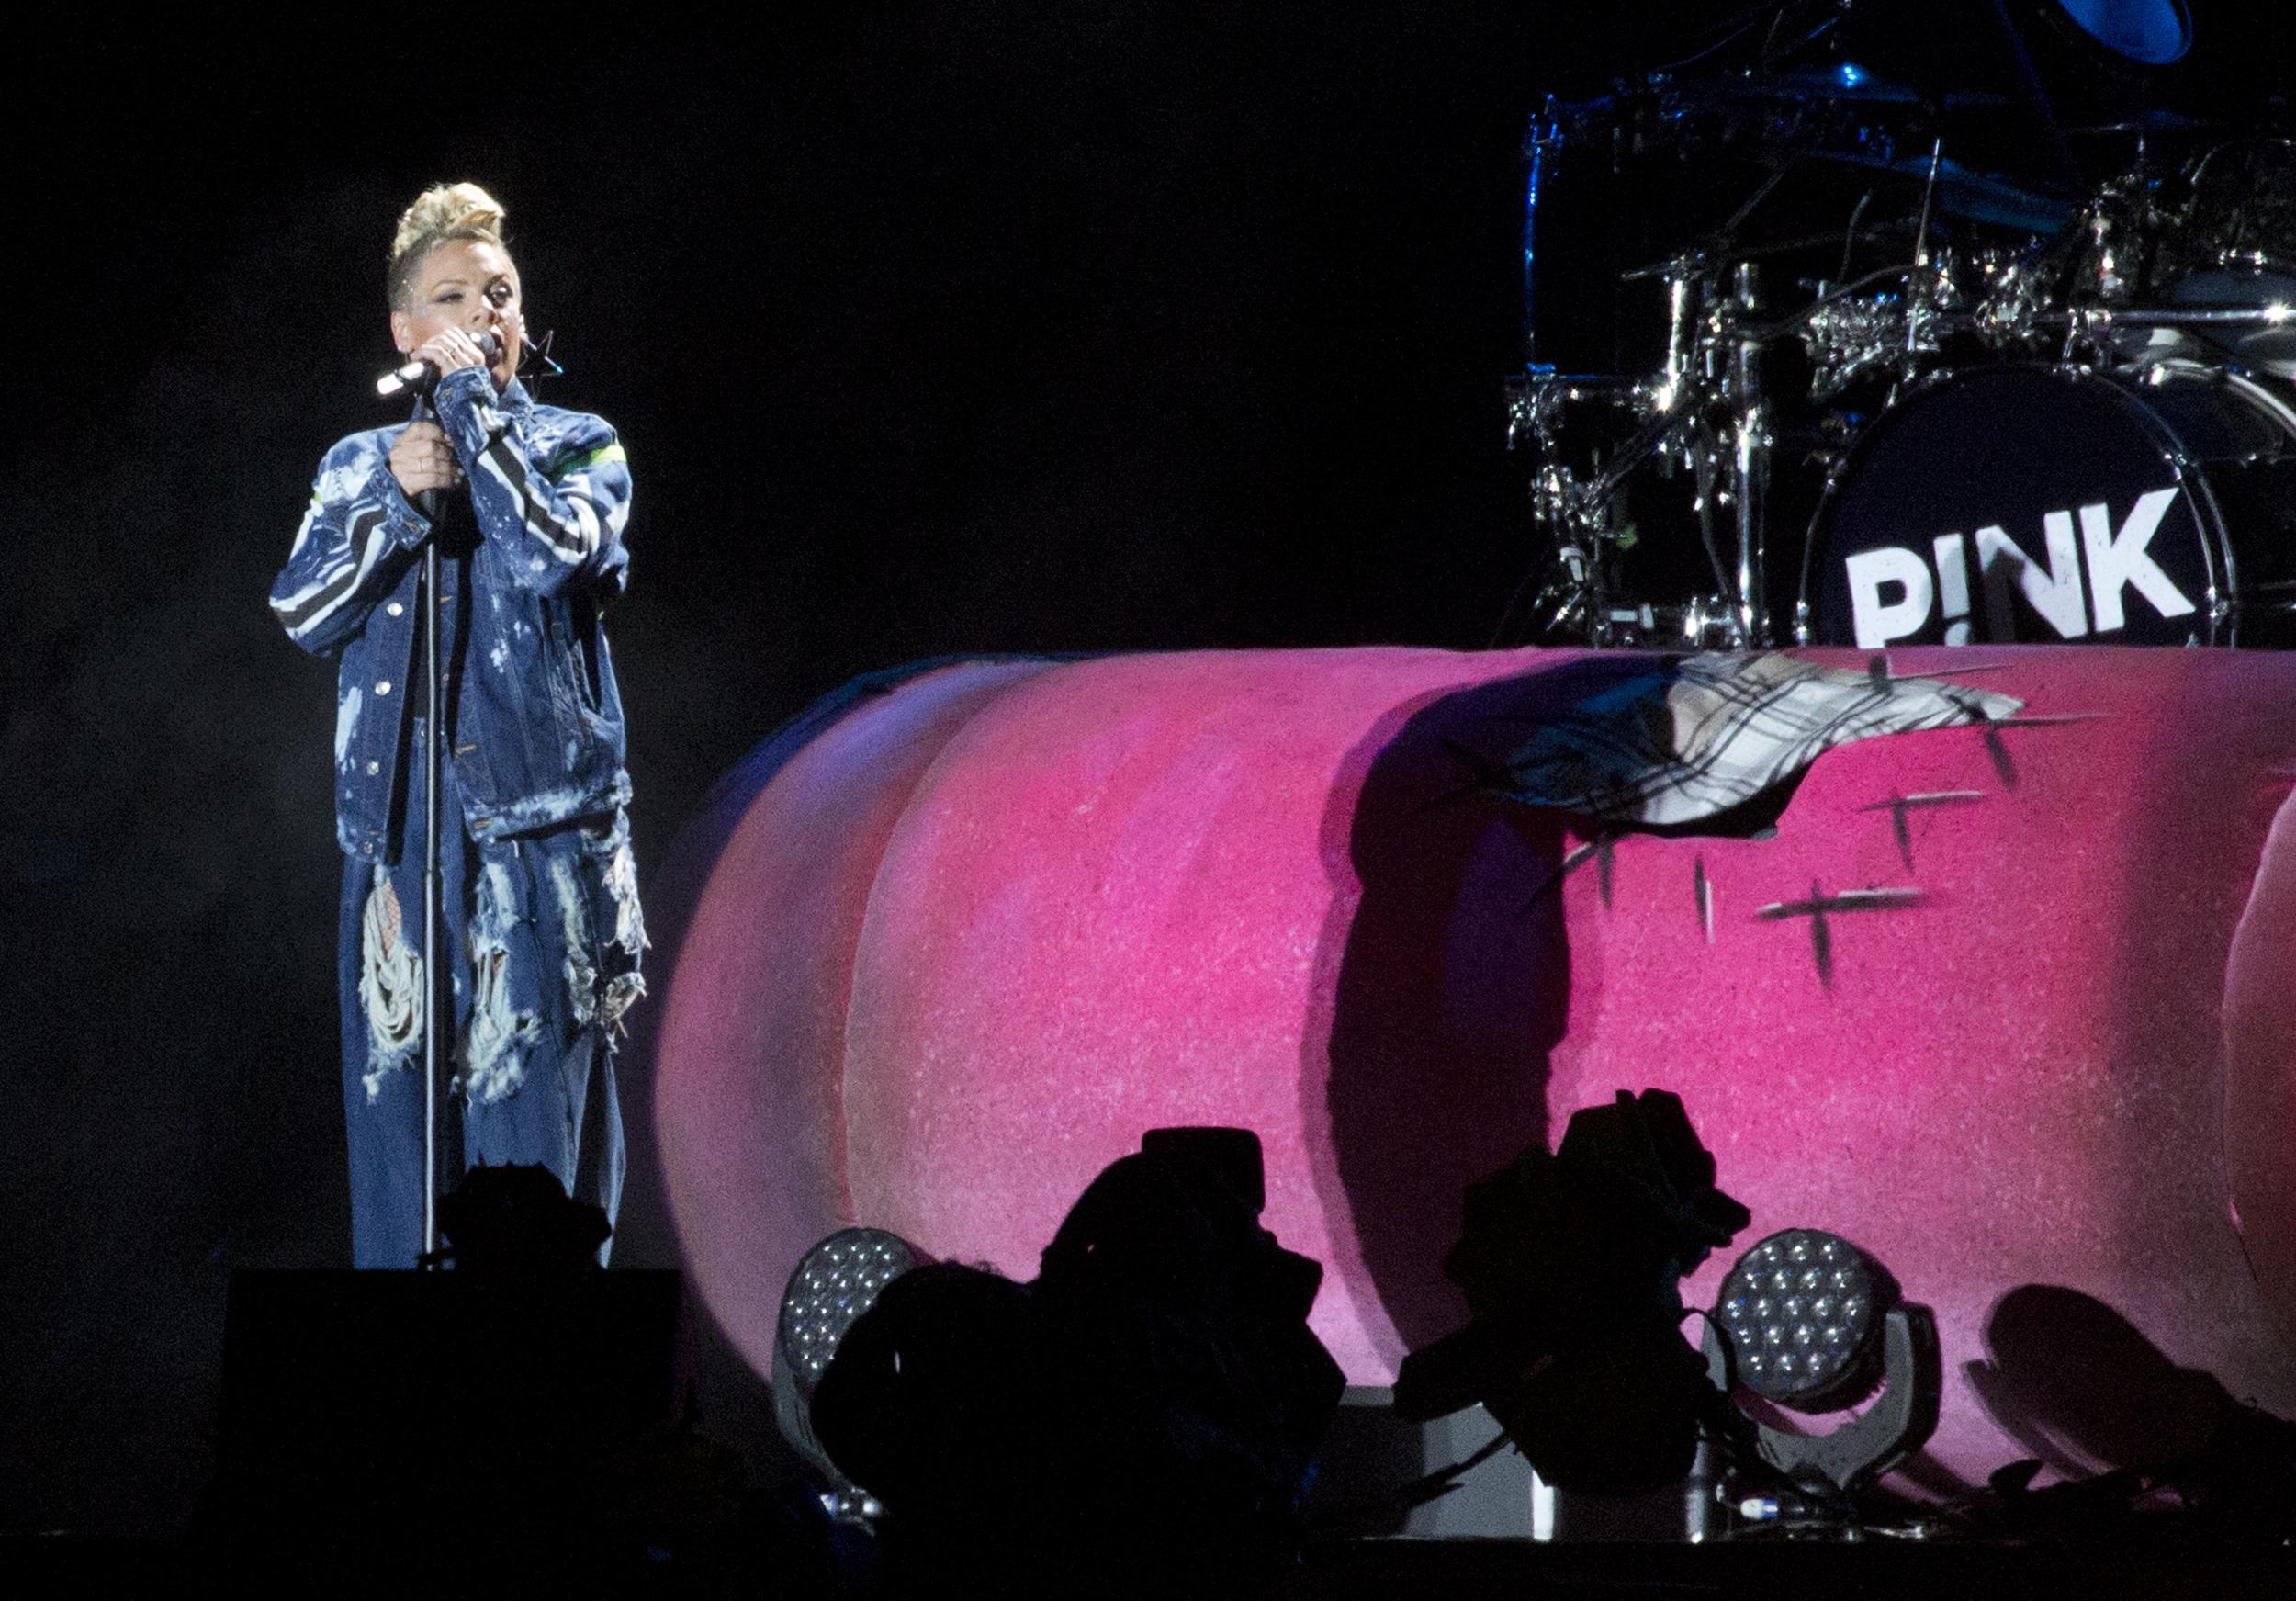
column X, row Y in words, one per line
column 423, row 459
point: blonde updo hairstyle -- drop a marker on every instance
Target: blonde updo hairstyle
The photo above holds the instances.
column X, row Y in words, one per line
column 442, row 212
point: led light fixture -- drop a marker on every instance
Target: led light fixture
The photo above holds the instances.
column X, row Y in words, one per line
column 1802, row 1308
column 832, row 1285
column 1806, row 1320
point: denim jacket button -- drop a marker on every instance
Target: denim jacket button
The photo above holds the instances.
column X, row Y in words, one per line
column 383, row 688
column 394, row 608
column 373, row 768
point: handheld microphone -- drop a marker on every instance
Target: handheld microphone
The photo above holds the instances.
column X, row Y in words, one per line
column 422, row 374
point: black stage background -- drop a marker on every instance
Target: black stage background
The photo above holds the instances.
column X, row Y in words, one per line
column 928, row 328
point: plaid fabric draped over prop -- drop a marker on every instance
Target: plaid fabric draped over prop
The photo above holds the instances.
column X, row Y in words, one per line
column 1697, row 735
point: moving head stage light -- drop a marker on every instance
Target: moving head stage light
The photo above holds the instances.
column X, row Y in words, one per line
column 1807, row 1321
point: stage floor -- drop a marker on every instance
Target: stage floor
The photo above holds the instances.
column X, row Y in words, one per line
column 1350, row 1571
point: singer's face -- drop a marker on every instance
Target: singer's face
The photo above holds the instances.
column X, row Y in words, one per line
column 467, row 284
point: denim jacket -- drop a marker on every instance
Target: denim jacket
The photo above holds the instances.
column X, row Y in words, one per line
column 534, row 716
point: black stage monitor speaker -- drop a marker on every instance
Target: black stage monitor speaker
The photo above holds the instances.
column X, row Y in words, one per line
column 354, row 1396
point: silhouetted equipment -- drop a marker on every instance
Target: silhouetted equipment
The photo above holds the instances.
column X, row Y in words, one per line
column 518, row 1219
column 1572, row 1264
column 503, row 1406
column 352, row 1399
column 1378, row 1476
column 1147, row 1407
column 2133, row 1436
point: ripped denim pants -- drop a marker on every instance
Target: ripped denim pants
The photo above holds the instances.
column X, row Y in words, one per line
column 542, row 937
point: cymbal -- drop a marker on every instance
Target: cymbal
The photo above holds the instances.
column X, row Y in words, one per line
column 1760, row 248
column 2154, row 121
column 1843, row 81
column 1963, row 192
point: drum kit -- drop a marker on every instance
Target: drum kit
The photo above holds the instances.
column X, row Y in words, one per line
column 1829, row 348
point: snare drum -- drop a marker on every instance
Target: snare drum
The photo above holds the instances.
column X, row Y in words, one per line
column 2048, row 504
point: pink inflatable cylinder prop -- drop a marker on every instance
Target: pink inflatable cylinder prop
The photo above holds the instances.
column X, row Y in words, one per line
column 952, row 946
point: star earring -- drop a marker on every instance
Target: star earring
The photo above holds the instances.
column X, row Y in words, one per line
column 536, row 362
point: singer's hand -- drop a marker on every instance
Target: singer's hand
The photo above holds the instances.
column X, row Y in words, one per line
column 450, row 351
column 423, row 459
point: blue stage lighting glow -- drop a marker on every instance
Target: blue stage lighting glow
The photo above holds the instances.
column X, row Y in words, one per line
column 2153, row 33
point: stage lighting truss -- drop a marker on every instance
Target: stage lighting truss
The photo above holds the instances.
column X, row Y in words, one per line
column 832, row 1285
column 1805, row 1320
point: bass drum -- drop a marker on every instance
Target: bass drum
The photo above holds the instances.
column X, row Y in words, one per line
column 2045, row 503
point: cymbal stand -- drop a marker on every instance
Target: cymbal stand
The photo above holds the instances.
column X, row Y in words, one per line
column 1696, row 319
column 1541, row 142
column 1921, row 291
column 1751, row 441
column 1576, row 516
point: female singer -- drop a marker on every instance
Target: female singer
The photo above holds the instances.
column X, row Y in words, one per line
column 542, row 928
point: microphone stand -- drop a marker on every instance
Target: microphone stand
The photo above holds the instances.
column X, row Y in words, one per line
column 422, row 378
column 431, row 503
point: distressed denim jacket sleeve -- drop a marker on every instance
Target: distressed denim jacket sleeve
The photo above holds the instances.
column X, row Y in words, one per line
column 357, row 536
column 556, row 521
